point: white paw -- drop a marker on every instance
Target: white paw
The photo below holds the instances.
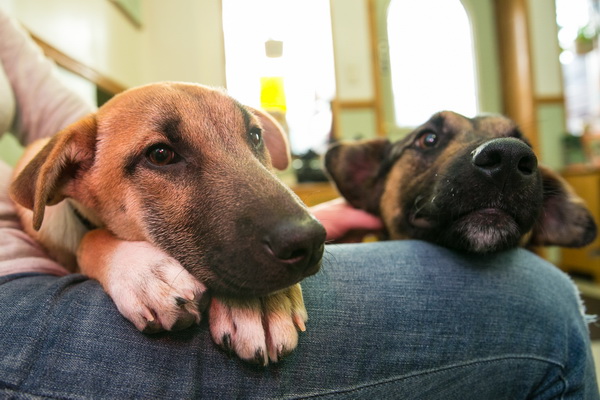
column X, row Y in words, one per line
column 153, row 290
column 259, row 330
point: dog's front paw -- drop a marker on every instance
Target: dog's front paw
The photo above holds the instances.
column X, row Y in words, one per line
column 150, row 288
column 259, row 329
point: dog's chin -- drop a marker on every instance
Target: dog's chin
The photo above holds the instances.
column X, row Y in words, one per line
column 235, row 290
column 484, row 231
column 480, row 231
column 226, row 283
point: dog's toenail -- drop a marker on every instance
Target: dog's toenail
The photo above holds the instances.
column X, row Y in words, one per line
column 226, row 344
column 259, row 357
column 152, row 327
column 184, row 322
column 180, row 301
column 282, row 352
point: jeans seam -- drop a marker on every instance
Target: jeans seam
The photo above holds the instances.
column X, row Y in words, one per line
column 15, row 389
column 565, row 385
column 432, row 371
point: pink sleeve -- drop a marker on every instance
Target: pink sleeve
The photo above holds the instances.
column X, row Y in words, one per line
column 44, row 105
column 18, row 251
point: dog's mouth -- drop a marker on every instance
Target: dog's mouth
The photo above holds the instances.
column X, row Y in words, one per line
column 228, row 283
column 491, row 216
column 270, row 275
column 480, row 230
column 420, row 221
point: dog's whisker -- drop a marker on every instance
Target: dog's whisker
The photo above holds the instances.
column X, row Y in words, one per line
column 419, row 204
column 437, row 174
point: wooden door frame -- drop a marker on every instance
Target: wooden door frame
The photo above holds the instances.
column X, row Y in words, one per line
column 516, row 70
column 374, row 104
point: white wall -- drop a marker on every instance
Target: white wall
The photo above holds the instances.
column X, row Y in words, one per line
column 543, row 31
column 178, row 40
column 487, row 64
column 547, row 81
column 352, row 48
column 183, row 40
column 93, row 32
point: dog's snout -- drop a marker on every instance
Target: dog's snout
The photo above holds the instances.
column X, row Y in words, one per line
column 505, row 158
column 297, row 243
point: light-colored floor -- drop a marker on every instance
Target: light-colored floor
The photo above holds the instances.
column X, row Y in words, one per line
column 596, row 351
column 592, row 290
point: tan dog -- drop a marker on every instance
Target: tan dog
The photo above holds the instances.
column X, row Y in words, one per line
column 168, row 188
column 469, row 184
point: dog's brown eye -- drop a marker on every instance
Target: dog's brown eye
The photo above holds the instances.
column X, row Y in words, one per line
column 255, row 136
column 427, row 140
column 161, row 155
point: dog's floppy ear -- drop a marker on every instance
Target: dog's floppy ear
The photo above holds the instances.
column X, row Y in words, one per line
column 45, row 180
column 564, row 220
column 275, row 138
column 355, row 169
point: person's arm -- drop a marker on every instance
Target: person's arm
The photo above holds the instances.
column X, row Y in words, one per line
column 44, row 104
column 19, row 253
column 339, row 218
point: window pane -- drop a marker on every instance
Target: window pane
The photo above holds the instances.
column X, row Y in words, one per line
column 304, row 70
column 432, row 62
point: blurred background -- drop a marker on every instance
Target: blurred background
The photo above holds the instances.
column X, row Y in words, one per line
column 352, row 69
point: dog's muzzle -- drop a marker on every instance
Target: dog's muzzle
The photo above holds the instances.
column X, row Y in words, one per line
column 505, row 159
column 298, row 244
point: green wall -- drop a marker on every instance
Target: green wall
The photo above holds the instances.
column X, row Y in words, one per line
column 10, row 149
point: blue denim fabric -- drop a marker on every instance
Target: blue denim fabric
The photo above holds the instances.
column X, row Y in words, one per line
column 398, row 320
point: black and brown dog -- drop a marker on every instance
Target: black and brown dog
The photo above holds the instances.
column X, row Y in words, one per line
column 468, row 184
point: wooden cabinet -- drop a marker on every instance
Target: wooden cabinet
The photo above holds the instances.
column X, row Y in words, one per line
column 585, row 260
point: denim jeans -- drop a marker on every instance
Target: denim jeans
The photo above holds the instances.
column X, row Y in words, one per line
column 398, row 320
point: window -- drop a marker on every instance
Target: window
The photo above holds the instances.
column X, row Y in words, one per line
column 304, row 70
column 578, row 29
column 431, row 58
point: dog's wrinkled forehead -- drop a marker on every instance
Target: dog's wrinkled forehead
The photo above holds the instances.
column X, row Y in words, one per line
column 496, row 126
column 167, row 107
column 483, row 126
column 194, row 122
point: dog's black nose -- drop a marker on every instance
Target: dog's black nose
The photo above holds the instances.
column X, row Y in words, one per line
column 505, row 158
column 298, row 243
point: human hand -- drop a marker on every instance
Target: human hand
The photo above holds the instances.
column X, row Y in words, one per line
column 339, row 218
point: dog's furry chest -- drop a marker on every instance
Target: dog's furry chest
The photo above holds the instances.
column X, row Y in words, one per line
column 60, row 233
